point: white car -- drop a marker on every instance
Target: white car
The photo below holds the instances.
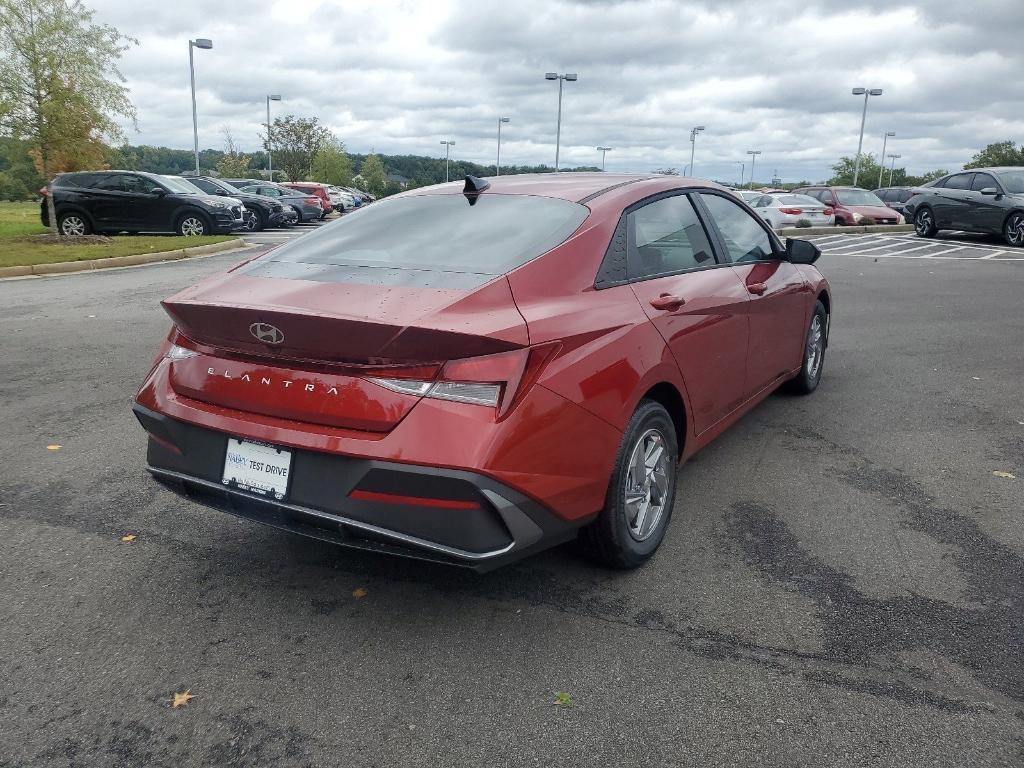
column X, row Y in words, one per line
column 748, row 196
column 340, row 199
column 786, row 210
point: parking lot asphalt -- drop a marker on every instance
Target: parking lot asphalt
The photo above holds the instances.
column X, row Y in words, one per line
column 841, row 583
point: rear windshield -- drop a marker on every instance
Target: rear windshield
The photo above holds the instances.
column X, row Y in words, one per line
column 798, row 200
column 858, row 197
column 440, row 233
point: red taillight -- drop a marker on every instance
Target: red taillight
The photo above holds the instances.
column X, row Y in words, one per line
column 829, row 211
column 415, row 501
column 791, row 211
column 44, row 191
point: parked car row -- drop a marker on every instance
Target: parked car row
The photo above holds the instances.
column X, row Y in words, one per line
column 135, row 201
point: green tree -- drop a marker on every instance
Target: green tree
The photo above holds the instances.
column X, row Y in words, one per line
column 999, row 153
column 60, row 83
column 843, row 172
column 375, row 180
column 234, row 164
column 332, row 165
column 296, row 140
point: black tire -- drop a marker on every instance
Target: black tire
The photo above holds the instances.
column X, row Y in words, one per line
column 1013, row 230
column 298, row 213
column 924, row 222
column 73, row 224
column 192, row 224
column 812, row 366
column 258, row 222
column 609, row 539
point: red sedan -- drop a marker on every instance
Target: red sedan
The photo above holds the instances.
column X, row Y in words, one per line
column 473, row 373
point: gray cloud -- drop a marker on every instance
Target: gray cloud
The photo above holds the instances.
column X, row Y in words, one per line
column 398, row 76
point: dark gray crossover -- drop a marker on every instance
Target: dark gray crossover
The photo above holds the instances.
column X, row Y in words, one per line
column 988, row 200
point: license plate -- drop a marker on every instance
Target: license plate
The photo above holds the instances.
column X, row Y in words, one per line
column 258, row 468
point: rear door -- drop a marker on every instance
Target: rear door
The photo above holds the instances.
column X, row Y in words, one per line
column 777, row 291
column 111, row 204
column 697, row 303
column 951, row 200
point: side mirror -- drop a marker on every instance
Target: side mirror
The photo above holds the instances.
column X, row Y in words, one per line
column 158, row 191
column 801, row 251
column 990, row 191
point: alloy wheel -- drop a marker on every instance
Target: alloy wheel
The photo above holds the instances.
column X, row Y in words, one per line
column 647, row 485
column 923, row 223
column 1015, row 230
column 72, row 226
column 192, row 227
column 815, row 347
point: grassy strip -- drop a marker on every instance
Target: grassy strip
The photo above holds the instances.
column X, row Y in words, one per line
column 20, row 221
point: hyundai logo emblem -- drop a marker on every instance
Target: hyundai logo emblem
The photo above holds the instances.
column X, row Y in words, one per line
column 266, row 333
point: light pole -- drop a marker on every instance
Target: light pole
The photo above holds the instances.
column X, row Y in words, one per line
column 693, row 143
column 270, row 160
column 865, row 92
column 743, row 170
column 753, row 159
column 881, row 165
column 571, row 77
column 602, row 150
column 200, row 42
column 448, row 144
column 497, row 165
column 893, row 166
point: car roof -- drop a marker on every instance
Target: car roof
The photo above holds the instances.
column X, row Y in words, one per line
column 574, row 187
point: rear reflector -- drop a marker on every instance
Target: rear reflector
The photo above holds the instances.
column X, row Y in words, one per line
column 415, row 501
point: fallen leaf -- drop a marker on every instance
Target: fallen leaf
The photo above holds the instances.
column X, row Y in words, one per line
column 976, row 378
column 359, row 593
column 181, row 699
column 562, row 699
column 128, row 537
column 54, row 447
column 1007, row 475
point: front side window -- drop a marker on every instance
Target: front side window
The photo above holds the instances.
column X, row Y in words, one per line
column 983, row 181
column 825, row 195
column 665, row 237
column 744, row 236
column 206, row 185
column 137, row 184
column 1013, row 181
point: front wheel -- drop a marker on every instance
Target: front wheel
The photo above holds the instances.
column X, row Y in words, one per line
column 813, row 364
column 193, row 225
column 641, row 492
column 924, row 223
column 1013, row 230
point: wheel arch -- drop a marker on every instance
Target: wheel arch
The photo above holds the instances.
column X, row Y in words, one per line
column 60, row 209
column 187, row 210
column 671, row 399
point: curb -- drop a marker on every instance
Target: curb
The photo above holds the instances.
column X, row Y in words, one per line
column 798, row 231
column 66, row 267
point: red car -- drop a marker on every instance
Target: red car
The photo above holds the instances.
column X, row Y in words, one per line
column 853, row 205
column 472, row 374
column 316, row 190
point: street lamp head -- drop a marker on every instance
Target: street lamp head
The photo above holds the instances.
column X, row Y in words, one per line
column 859, row 91
column 274, row 96
column 699, row 128
column 571, row 76
column 875, row 91
column 502, row 119
column 202, row 42
column 550, row 75
column 753, row 151
column 890, row 133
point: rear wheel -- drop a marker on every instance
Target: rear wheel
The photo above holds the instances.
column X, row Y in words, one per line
column 924, row 223
column 1013, row 230
column 641, row 492
column 809, row 377
column 193, row 225
column 73, row 224
column 299, row 214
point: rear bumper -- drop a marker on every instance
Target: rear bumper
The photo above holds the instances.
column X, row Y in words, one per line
column 488, row 524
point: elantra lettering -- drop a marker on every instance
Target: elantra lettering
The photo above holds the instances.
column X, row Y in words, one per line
column 268, row 381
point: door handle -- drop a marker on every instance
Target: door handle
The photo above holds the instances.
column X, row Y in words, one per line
column 757, row 288
column 668, row 302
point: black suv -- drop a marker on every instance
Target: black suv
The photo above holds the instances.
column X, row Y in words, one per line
column 267, row 211
column 896, row 198
column 987, row 200
column 132, row 201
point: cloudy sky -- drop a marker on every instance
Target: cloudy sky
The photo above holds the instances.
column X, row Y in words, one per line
column 398, row 76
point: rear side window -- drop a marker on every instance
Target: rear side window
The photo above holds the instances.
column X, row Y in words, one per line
column 960, row 181
column 744, row 236
column 488, row 235
column 665, row 237
column 83, row 180
column 905, row 195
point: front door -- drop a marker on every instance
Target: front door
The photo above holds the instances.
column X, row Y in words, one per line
column 697, row 304
column 777, row 291
column 984, row 213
